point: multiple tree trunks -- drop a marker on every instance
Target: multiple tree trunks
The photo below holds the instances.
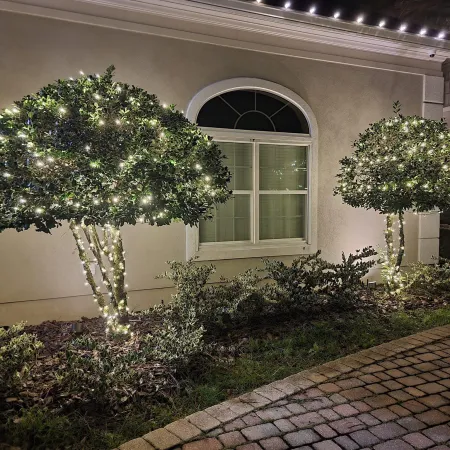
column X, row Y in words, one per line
column 108, row 255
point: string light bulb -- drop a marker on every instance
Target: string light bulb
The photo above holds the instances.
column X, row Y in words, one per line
column 403, row 27
column 287, row 5
column 337, row 14
column 441, row 35
column 382, row 23
column 423, row 32
column 360, row 19
column 312, row 10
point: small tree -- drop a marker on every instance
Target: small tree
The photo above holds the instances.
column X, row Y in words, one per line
column 95, row 152
column 399, row 164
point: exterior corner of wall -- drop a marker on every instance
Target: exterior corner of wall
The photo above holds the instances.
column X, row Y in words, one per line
column 429, row 250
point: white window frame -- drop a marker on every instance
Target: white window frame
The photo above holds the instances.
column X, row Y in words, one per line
column 271, row 247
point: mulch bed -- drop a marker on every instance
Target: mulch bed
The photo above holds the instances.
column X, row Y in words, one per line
column 229, row 342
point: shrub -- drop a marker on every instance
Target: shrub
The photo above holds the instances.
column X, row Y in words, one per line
column 107, row 373
column 213, row 304
column 311, row 281
column 429, row 279
column 41, row 429
column 18, row 352
column 178, row 340
column 198, row 307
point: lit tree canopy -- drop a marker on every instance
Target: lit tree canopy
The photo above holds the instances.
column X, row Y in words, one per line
column 100, row 151
column 399, row 164
column 97, row 152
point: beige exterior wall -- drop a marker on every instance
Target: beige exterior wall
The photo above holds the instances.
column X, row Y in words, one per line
column 40, row 275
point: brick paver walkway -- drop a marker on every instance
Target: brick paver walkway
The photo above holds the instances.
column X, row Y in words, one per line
column 392, row 397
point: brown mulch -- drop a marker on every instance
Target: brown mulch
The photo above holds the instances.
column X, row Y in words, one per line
column 229, row 341
column 56, row 334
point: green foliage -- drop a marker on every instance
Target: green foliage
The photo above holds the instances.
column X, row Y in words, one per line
column 104, row 373
column 41, row 429
column 429, row 279
column 18, row 352
column 311, row 281
column 197, row 307
column 99, row 151
column 179, row 339
column 213, row 304
column 399, row 163
column 300, row 346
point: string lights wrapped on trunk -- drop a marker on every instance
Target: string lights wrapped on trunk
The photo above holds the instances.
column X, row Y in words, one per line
column 100, row 154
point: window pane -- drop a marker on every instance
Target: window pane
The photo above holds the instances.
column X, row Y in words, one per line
column 239, row 161
column 282, row 216
column 282, row 167
column 252, row 110
column 230, row 222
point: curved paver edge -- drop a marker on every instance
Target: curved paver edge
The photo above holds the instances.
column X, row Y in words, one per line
column 196, row 425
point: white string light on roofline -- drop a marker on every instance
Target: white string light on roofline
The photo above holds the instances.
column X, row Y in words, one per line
column 360, row 19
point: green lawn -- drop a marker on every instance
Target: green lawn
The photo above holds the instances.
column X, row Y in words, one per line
column 263, row 361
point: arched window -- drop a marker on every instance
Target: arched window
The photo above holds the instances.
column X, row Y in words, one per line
column 252, row 110
column 267, row 134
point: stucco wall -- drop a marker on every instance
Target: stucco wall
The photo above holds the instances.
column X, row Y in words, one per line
column 40, row 275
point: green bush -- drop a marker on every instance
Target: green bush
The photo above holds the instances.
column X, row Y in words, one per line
column 18, row 352
column 429, row 279
column 199, row 306
column 105, row 373
column 41, row 429
column 213, row 304
column 178, row 340
column 312, row 282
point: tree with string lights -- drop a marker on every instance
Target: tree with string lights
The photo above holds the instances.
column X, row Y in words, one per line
column 100, row 154
column 399, row 164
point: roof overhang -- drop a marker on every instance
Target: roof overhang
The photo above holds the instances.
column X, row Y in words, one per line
column 258, row 27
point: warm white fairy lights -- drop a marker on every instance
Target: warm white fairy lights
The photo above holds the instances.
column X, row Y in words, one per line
column 360, row 19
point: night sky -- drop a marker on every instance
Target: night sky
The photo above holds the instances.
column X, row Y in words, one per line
column 433, row 14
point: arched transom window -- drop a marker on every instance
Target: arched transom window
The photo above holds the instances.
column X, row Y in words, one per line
column 267, row 143
column 252, row 110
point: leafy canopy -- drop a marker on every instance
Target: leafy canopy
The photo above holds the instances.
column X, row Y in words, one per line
column 399, row 163
column 102, row 151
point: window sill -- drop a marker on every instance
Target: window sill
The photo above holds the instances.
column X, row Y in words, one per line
column 287, row 247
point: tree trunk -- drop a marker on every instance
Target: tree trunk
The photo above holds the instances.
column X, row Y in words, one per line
column 108, row 255
column 394, row 259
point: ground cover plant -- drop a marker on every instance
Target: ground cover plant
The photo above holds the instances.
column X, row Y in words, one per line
column 98, row 153
column 212, row 342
